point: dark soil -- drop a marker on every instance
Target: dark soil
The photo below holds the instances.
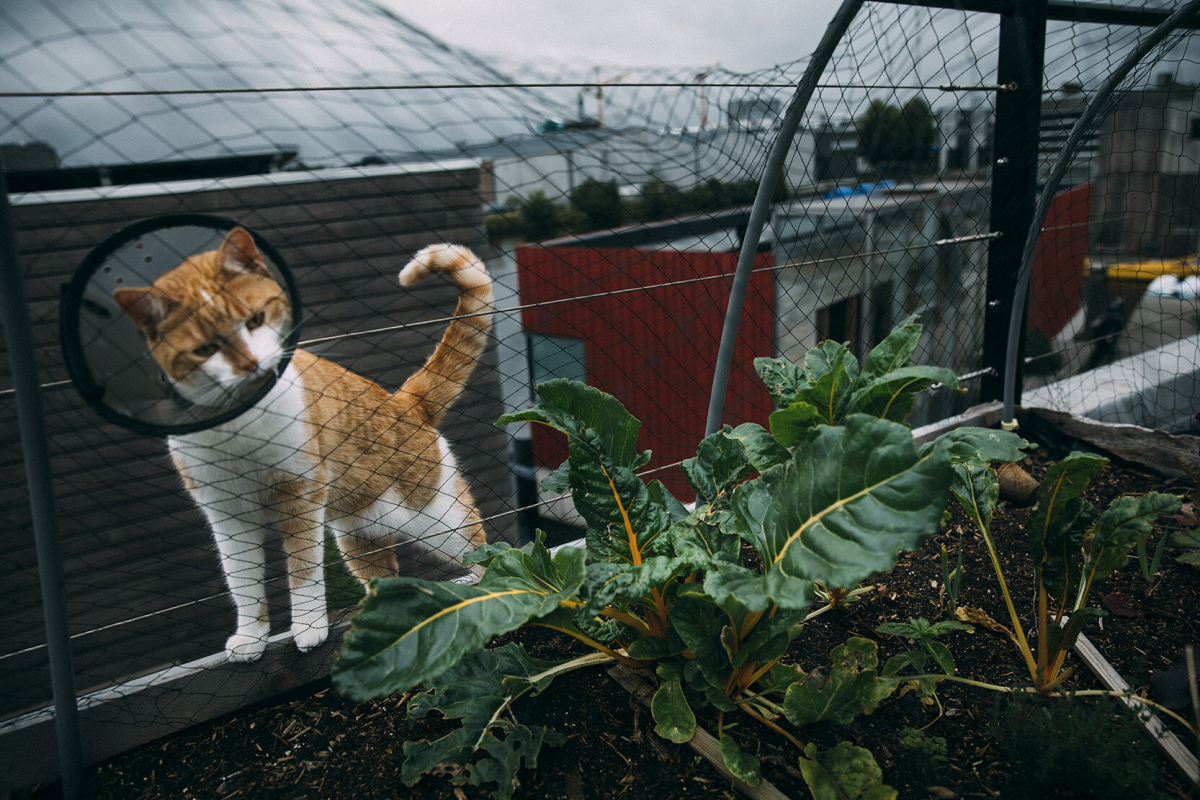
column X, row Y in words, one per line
column 319, row 745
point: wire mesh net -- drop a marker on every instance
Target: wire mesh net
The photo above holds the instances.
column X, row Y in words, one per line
column 609, row 206
column 1112, row 313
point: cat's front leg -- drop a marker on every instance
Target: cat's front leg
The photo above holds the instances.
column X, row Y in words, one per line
column 300, row 517
column 242, row 559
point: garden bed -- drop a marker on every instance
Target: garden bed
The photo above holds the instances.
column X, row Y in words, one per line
column 317, row 744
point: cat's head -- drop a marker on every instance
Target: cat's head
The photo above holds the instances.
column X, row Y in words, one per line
column 216, row 324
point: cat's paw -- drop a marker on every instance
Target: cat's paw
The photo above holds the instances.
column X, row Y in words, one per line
column 243, row 647
column 309, row 636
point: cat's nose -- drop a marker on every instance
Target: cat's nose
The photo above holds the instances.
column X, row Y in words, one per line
column 241, row 363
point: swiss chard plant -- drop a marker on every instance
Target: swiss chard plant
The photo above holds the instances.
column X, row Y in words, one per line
column 709, row 598
column 1071, row 543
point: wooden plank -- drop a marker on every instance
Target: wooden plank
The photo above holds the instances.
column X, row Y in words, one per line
column 1159, row 732
column 117, row 719
column 117, row 209
column 1157, row 450
column 288, row 221
column 704, row 743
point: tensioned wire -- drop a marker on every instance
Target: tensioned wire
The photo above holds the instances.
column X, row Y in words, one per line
column 649, row 287
column 400, row 87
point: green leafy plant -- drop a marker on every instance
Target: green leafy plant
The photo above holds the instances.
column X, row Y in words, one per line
column 1189, row 542
column 1150, row 565
column 911, row 666
column 1072, row 545
column 931, row 748
column 952, row 579
column 831, row 493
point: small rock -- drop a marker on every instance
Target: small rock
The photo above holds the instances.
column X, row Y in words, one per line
column 941, row 792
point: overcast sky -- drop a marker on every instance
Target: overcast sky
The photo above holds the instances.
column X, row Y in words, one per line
column 741, row 36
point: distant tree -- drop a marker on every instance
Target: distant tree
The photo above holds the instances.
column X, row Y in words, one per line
column 600, row 202
column 891, row 135
column 660, row 199
column 538, row 216
column 919, row 129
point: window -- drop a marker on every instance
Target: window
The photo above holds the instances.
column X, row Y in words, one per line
column 840, row 321
column 556, row 357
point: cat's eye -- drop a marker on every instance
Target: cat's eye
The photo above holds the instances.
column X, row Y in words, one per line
column 205, row 350
column 255, row 321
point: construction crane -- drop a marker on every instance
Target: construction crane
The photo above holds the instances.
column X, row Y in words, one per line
column 700, row 77
column 598, row 88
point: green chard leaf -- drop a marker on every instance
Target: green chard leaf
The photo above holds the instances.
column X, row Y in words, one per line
column 892, row 396
column 699, row 624
column 976, row 488
column 701, row 538
column 850, row 500
column 618, row 584
column 783, row 379
column 409, row 631
column 844, row 773
column 1189, row 542
column 981, row 445
column 1060, row 519
column 609, row 497
column 721, row 463
column 789, row 425
column 762, row 449
column 673, row 717
column 730, row 584
column 1127, row 521
column 770, row 638
column 601, row 468
column 474, row 691
column 744, row 766
column 850, row 688
column 971, row 450
column 894, row 352
column 575, row 408
column 831, row 370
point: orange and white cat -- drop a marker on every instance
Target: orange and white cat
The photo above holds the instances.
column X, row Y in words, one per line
column 325, row 447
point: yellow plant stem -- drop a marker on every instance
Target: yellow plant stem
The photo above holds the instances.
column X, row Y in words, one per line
column 660, row 608
column 635, row 555
column 1043, row 677
column 632, row 663
column 613, row 613
column 1022, row 643
column 1058, row 693
column 750, row 710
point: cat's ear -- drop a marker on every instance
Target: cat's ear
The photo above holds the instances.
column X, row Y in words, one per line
column 145, row 306
column 239, row 253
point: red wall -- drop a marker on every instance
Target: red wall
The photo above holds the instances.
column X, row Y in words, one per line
column 653, row 349
column 1056, row 281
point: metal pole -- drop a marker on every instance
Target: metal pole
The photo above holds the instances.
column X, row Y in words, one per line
column 762, row 204
column 1015, row 324
column 14, row 315
column 1014, row 176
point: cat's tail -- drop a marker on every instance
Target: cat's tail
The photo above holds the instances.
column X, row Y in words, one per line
column 441, row 380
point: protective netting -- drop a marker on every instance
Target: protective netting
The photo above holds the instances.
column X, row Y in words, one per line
column 609, row 205
column 1116, row 340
